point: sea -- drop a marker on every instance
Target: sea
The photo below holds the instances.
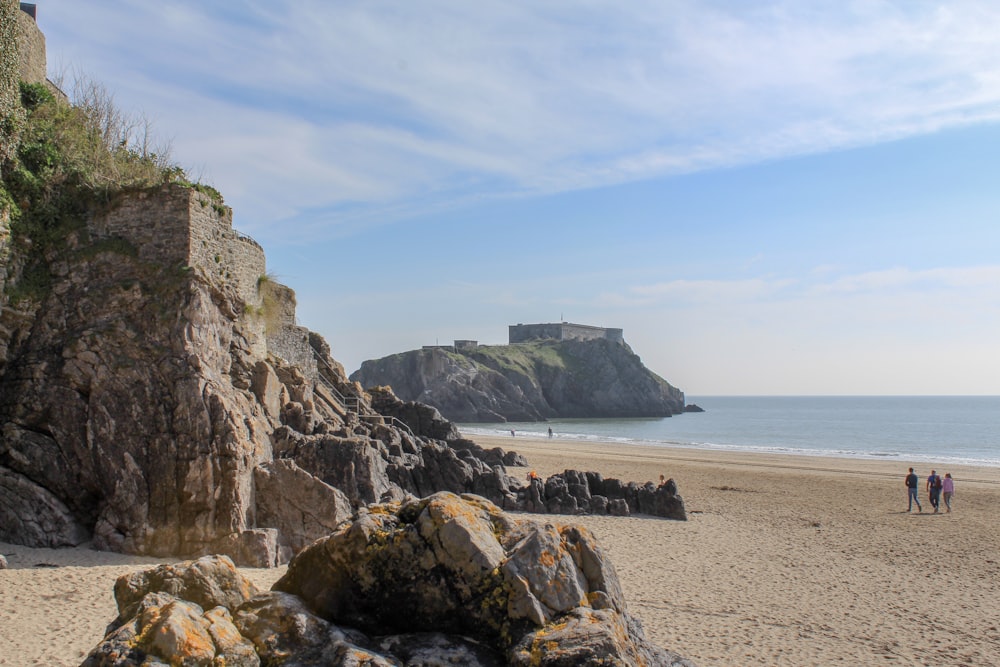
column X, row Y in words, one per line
column 934, row 429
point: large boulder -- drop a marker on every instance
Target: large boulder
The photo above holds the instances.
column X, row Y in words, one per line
column 459, row 565
column 445, row 580
column 210, row 581
column 306, row 507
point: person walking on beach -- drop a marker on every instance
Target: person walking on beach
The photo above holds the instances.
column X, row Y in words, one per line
column 911, row 491
column 948, row 488
column 934, row 489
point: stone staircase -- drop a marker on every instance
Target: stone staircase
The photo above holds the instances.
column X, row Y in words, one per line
column 353, row 404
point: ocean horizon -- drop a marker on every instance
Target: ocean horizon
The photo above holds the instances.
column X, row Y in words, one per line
column 962, row 430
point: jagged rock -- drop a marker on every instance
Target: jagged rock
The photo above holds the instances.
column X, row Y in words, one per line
column 304, row 506
column 355, row 465
column 36, row 516
column 461, row 566
column 434, row 649
column 693, row 407
column 441, row 581
column 210, row 581
column 165, row 630
column 575, row 492
column 422, row 419
column 527, row 381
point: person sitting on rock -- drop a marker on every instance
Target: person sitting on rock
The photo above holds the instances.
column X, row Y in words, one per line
column 669, row 485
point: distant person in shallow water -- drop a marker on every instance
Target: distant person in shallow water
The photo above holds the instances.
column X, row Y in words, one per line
column 911, row 491
column 512, row 433
column 948, row 488
column 934, row 489
column 550, row 431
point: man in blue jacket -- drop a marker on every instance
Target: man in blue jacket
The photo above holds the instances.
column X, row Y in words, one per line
column 911, row 491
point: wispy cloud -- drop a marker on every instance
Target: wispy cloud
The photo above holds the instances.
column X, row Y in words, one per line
column 903, row 279
column 346, row 111
column 980, row 284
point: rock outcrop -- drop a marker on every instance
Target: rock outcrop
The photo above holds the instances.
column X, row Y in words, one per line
column 150, row 406
column 156, row 394
column 442, row 580
column 530, row 381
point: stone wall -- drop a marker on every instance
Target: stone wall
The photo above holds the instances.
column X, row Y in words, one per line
column 154, row 221
column 285, row 339
column 521, row 333
column 178, row 226
column 32, row 43
column 228, row 257
column 291, row 344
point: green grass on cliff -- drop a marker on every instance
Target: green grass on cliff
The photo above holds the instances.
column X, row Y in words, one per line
column 64, row 162
column 520, row 357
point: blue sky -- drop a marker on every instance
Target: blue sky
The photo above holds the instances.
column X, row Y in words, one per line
column 778, row 197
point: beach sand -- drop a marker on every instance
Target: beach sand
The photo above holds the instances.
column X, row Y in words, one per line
column 783, row 561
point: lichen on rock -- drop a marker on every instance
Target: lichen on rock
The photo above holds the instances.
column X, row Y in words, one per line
column 446, row 579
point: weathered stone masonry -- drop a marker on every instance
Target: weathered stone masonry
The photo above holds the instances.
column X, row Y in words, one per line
column 179, row 226
column 176, row 225
column 32, row 43
column 284, row 337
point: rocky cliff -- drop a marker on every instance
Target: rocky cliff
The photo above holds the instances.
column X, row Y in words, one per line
column 529, row 381
column 156, row 395
column 146, row 406
column 148, row 402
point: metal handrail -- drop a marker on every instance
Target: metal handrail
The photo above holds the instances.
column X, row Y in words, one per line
column 247, row 238
column 353, row 403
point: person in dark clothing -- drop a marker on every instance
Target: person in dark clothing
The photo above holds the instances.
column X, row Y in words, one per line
column 911, row 491
column 934, row 490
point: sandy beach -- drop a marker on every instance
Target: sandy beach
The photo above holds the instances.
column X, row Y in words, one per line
column 783, row 561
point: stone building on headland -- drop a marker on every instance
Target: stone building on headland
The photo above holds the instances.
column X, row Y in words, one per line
column 522, row 333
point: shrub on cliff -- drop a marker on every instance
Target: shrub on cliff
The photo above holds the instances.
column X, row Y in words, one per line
column 11, row 113
column 66, row 160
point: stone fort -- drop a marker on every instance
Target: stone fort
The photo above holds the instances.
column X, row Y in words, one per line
column 520, row 333
column 177, row 225
column 523, row 333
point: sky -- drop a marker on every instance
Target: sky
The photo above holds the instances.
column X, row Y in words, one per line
column 769, row 198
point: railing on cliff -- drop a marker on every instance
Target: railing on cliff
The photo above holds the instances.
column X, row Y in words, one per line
column 353, row 403
column 246, row 238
